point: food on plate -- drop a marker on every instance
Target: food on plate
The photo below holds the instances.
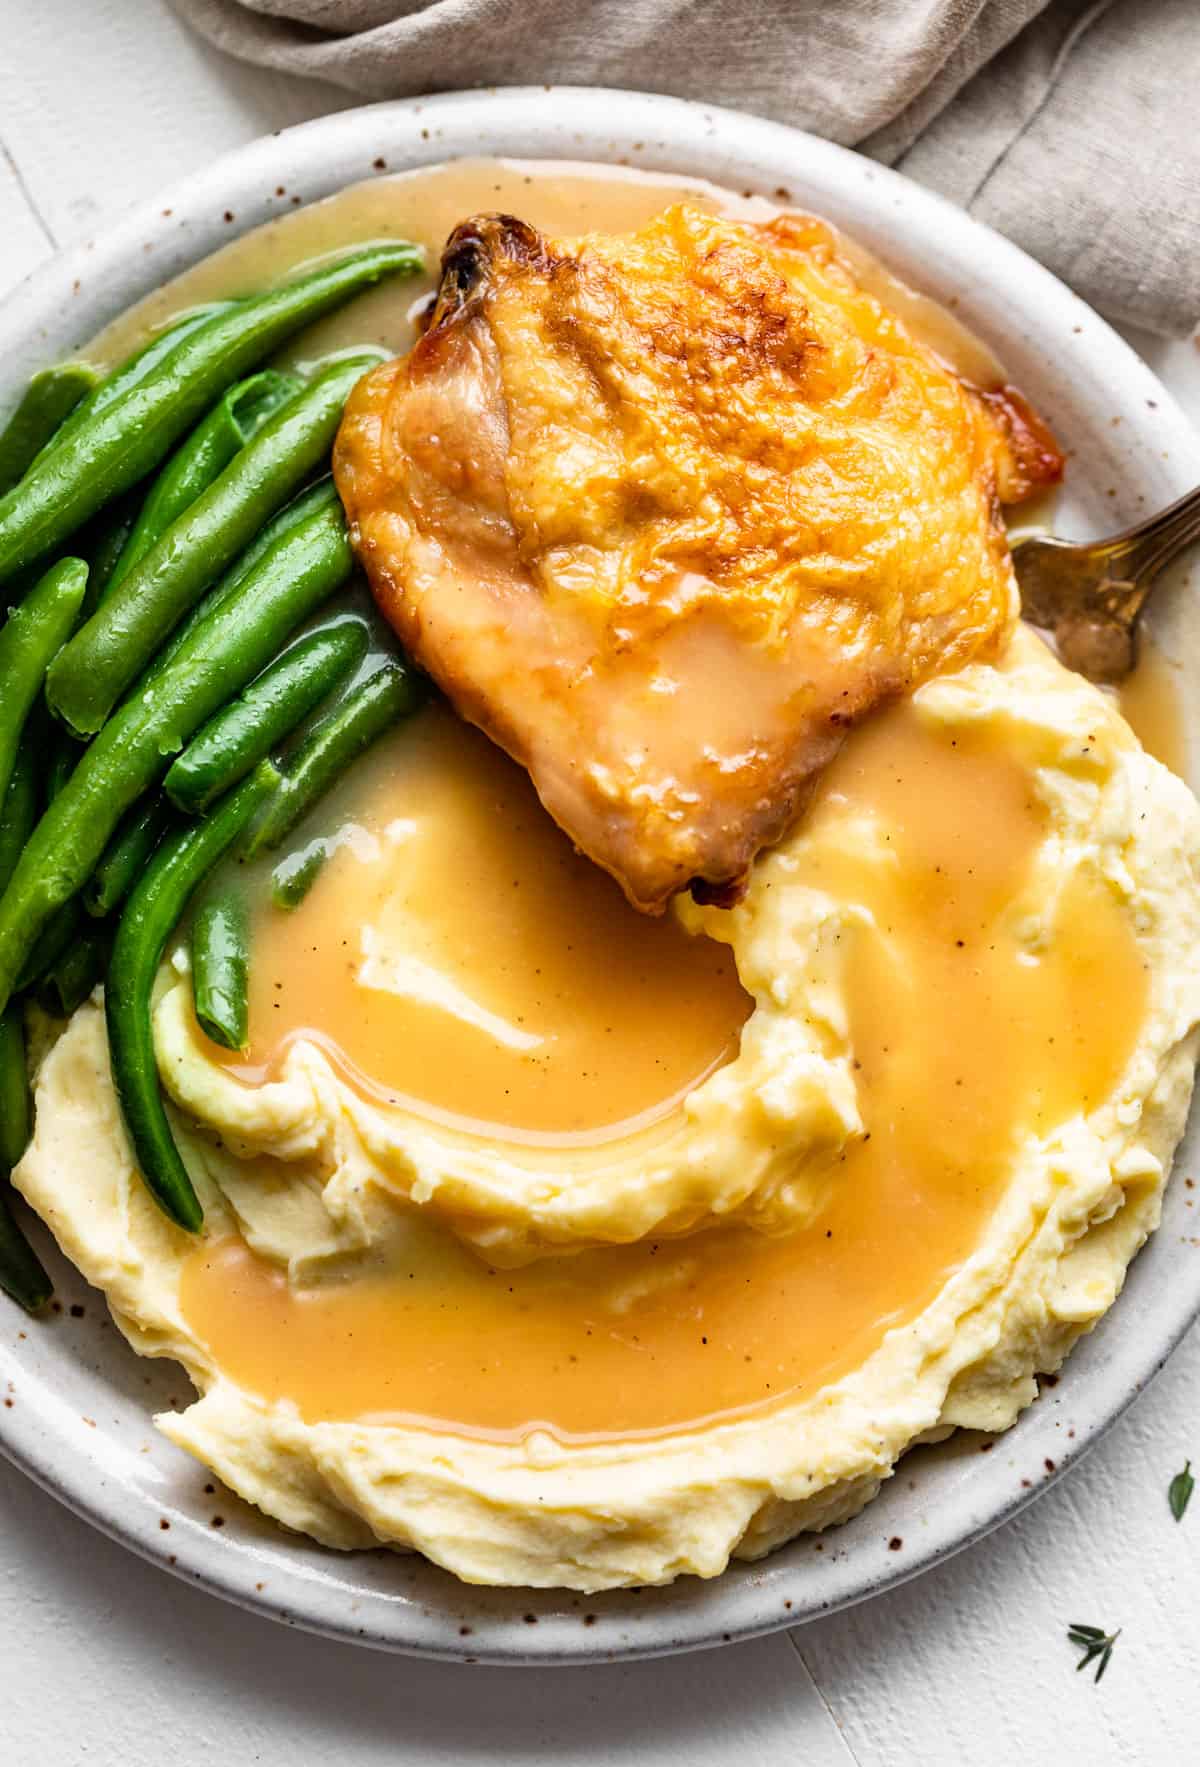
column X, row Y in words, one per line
column 220, row 968
column 180, row 864
column 251, row 726
column 239, row 631
column 124, row 858
column 32, row 634
column 491, row 1215
column 123, row 429
column 388, row 695
column 144, row 605
column 21, row 1273
column 233, row 422
column 667, row 513
column 47, row 401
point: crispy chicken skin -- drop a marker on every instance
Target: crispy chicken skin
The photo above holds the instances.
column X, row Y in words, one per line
column 666, row 513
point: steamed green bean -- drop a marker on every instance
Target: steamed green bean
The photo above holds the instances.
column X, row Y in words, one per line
column 296, row 873
column 126, row 856
column 153, row 911
column 391, row 693
column 46, row 403
column 68, row 981
column 135, row 369
column 321, row 496
column 29, row 639
column 18, row 806
column 21, row 1273
column 220, row 968
column 227, row 649
column 99, row 454
column 124, row 634
column 234, row 420
column 245, row 731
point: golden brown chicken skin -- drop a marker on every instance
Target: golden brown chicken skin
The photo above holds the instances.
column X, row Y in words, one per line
column 666, row 513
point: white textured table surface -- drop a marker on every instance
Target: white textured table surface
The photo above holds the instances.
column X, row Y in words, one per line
column 103, row 1659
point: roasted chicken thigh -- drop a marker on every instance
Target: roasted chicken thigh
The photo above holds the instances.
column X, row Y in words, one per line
column 666, row 513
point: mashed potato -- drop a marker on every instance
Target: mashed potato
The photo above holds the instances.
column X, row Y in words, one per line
column 833, row 942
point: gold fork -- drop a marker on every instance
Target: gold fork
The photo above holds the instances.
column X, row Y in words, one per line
column 1089, row 593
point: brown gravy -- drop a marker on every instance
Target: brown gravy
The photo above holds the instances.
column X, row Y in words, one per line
column 456, row 954
column 966, row 1044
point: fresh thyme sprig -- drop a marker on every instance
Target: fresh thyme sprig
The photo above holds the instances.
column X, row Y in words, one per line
column 1093, row 1643
column 1179, row 1491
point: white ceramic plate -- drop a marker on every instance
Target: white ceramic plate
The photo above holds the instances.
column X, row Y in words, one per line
column 78, row 1403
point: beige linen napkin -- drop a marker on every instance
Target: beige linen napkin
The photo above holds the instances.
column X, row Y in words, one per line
column 1067, row 124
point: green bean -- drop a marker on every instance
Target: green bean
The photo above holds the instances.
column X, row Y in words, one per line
column 234, row 420
column 391, row 693
column 125, row 632
column 125, row 857
column 305, row 566
column 58, row 751
column 103, row 539
column 63, row 755
column 29, row 639
column 153, row 911
column 220, row 936
column 51, row 945
column 245, row 731
column 135, row 369
column 47, row 402
column 101, row 543
column 18, row 807
column 21, row 1272
column 319, row 497
column 128, row 438
column 21, row 1275
column 68, row 982
column 15, row 1114
column 296, row 874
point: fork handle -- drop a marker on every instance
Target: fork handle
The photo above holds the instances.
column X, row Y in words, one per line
column 1145, row 550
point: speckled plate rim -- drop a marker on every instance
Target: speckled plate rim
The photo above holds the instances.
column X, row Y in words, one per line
column 76, row 1418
